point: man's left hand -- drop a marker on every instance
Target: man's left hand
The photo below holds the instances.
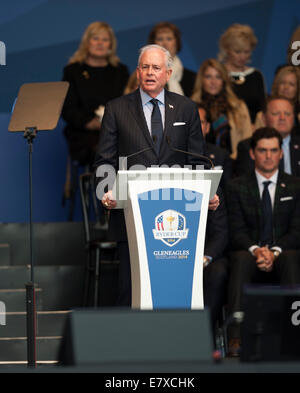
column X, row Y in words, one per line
column 214, row 203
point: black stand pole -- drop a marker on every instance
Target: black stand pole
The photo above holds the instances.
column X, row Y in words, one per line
column 30, row 134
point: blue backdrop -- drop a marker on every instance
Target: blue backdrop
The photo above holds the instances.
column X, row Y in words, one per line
column 41, row 35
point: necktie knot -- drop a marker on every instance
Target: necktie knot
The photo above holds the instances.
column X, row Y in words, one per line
column 154, row 101
column 266, row 184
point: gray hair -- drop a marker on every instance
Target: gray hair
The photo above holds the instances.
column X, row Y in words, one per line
column 169, row 60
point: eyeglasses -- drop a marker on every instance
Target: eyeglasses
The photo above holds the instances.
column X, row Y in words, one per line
column 147, row 67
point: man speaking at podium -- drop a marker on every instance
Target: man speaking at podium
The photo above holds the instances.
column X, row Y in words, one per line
column 148, row 127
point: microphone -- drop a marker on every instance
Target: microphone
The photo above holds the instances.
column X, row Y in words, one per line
column 190, row 153
column 137, row 153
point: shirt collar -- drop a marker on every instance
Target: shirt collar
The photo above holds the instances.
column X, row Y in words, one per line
column 286, row 140
column 146, row 98
column 261, row 179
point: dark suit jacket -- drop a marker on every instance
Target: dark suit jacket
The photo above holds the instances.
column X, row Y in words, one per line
column 244, row 164
column 245, row 213
column 124, row 131
column 220, row 157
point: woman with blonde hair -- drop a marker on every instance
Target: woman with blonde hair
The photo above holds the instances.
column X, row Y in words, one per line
column 230, row 120
column 286, row 84
column 236, row 46
column 96, row 76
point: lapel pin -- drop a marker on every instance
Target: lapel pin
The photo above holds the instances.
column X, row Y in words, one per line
column 282, row 185
column 212, row 156
column 171, row 106
column 296, row 146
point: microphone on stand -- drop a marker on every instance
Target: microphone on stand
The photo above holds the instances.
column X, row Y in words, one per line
column 139, row 152
column 204, row 158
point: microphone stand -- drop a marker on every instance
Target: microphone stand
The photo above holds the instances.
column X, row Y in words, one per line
column 190, row 153
column 30, row 134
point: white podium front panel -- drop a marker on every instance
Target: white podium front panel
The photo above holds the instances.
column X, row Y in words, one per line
column 166, row 223
column 120, row 187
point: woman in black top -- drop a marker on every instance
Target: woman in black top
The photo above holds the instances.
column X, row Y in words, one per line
column 236, row 46
column 96, row 76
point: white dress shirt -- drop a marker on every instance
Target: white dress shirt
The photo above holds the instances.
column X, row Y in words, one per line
column 286, row 154
column 148, row 107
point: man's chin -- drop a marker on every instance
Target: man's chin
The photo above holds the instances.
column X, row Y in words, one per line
column 268, row 170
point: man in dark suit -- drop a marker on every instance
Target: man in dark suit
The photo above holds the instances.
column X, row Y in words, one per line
column 220, row 157
column 279, row 113
column 128, row 128
column 264, row 223
column 215, row 263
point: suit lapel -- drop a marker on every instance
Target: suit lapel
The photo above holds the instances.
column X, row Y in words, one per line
column 136, row 109
column 294, row 148
column 280, row 191
column 255, row 196
column 170, row 112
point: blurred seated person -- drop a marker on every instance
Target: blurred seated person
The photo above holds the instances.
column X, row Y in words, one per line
column 264, row 225
column 286, row 84
column 278, row 114
column 236, row 46
column 96, row 76
column 215, row 263
column 220, row 157
column 169, row 36
column 230, row 120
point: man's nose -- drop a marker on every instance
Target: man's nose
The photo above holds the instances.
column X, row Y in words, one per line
column 281, row 116
column 150, row 70
column 268, row 154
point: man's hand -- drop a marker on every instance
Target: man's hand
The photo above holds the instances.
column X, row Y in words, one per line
column 264, row 258
column 93, row 124
column 214, row 203
column 108, row 201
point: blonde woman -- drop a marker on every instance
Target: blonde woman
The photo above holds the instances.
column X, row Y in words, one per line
column 286, row 84
column 96, row 76
column 236, row 46
column 230, row 120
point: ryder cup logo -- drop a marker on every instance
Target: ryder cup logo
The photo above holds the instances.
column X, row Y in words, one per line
column 170, row 227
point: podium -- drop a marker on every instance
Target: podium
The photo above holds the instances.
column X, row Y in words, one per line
column 165, row 213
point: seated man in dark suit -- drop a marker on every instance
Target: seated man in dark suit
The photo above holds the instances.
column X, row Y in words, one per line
column 220, row 157
column 279, row 113
column 264, row 222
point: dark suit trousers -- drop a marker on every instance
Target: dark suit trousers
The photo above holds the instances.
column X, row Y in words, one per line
column 214, row 288
column 243, row 270
column 124, row 278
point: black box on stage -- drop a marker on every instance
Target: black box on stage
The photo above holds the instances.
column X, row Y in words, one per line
column 270, row 330
column 121, row 336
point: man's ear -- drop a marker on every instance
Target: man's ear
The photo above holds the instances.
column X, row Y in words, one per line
column 169, row 73
column 281, row 153
column 251, row 153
